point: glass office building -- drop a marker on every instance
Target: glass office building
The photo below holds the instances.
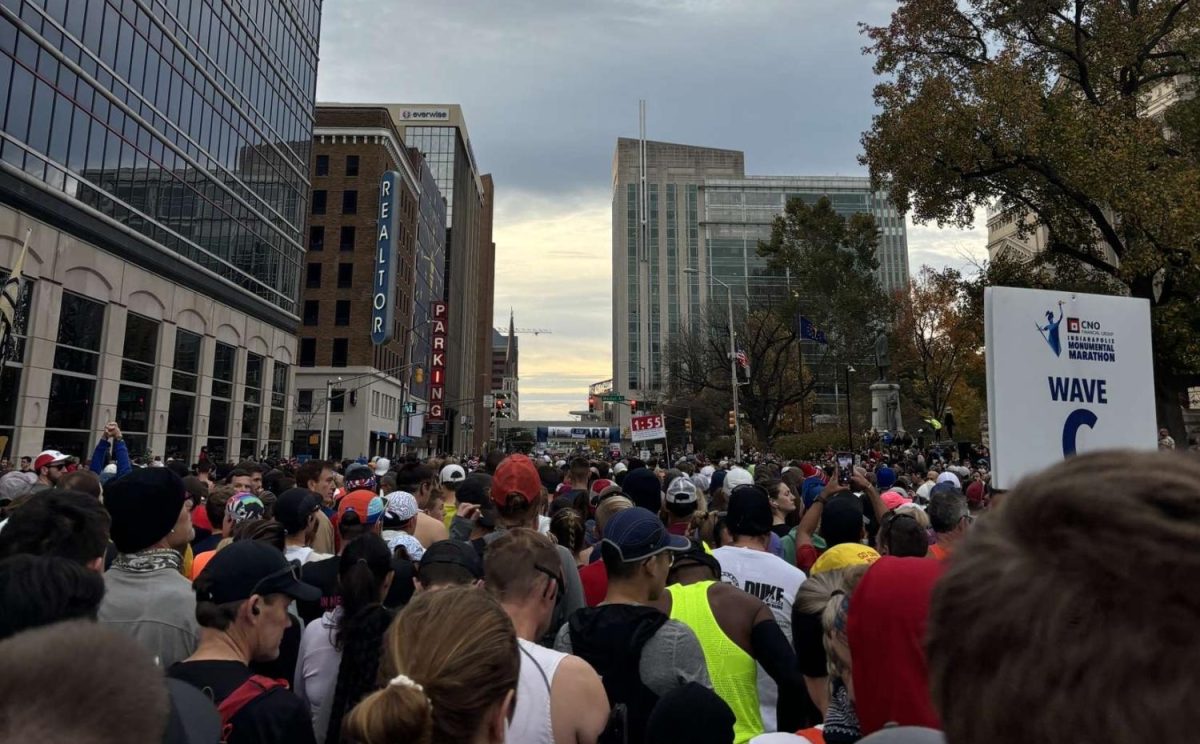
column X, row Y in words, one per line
column 160, row 151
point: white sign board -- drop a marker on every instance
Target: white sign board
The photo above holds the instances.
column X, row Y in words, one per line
column 647, row 428
column 1066, row 373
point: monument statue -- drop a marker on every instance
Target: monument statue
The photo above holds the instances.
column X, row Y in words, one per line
column 882, row 361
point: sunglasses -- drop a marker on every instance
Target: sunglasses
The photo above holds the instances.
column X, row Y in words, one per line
column 555, row 575
column 292, row 568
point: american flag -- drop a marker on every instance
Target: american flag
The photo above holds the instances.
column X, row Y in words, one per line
column 742, row 359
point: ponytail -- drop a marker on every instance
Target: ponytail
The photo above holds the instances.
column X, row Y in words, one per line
column 363, row 569
column 395, row 713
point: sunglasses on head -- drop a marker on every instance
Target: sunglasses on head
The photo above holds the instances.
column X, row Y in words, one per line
column 555, row 575
column 293, row 568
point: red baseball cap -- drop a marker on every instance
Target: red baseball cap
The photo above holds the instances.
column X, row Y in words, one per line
column 515, row 474
column 50, row 457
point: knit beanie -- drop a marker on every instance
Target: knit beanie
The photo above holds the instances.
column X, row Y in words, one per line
column 885, row 478
column 144, row 506
column 643, row 489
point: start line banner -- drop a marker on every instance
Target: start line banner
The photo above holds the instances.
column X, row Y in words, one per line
column 1066, row 373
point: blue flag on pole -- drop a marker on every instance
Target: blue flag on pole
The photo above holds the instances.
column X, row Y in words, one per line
column 811, row 332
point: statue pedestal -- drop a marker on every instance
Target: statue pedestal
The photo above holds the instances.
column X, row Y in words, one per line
column 885, row 407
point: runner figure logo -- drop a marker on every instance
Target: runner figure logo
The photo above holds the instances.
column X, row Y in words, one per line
column 1050, row 330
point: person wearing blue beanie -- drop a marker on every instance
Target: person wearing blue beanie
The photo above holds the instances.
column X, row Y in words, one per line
column 885, row 478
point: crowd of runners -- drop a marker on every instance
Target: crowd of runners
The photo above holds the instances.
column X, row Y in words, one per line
column 880, row 596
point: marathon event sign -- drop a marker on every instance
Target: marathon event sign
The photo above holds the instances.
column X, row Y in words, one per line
column 383, row 281
column 607, row 433
column 647, row 428
column 1066, row 373
column 437, row 361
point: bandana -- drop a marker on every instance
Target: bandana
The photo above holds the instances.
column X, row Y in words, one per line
column 244, row 506
column 149, row 560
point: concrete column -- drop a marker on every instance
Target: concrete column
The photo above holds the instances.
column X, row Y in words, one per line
column 42, row 333
column 160, row 399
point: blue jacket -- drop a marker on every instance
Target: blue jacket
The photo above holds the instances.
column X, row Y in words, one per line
column 120, row 454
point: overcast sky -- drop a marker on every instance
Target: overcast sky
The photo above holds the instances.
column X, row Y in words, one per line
column 547, row 86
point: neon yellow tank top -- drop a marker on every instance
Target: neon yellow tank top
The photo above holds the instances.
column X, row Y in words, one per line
column 734, row 673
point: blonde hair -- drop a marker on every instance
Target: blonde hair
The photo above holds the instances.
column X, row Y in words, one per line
column 609, row 507
column 450, row 655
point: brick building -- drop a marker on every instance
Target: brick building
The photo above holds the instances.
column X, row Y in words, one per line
column 353, row 147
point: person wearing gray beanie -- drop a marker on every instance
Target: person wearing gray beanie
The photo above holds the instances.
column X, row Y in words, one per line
column 145, row 592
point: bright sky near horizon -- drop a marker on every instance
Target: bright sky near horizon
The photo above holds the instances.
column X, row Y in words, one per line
column 548, row 86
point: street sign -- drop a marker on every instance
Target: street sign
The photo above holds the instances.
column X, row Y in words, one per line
column 644, row 454
column 647, row 428
column 612, row 398
column 435, row 427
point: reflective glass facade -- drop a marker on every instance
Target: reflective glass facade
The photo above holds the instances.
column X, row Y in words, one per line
column 430, row 266
column 186, row 121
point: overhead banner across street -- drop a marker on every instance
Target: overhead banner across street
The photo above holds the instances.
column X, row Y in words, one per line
column 1066, row 373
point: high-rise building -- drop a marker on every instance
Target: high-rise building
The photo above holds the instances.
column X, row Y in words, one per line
column 430, row 282
column 702, row 212
column 159, row 153
column 439, row 132
column 362, row 386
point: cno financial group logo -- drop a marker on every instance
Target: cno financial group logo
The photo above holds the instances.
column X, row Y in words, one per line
column 1086, row 340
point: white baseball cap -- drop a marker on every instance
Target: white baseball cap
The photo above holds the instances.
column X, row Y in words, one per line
column 402, row 505
column 619, row 468
column 681, row 491
column 453, row 474
column 382, row 466
column 737, row 477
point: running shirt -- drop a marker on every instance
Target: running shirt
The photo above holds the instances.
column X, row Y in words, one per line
column 531, row 718
column 775, row 582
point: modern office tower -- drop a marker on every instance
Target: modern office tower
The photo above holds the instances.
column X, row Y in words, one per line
column 702, row 212
column 364, row 385
column 157, row 155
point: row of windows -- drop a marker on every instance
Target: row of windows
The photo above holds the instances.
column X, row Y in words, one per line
column 75, row 377
column 320, row 198
column 350, row 170
column 316, row 238
column 340, row 352
column 312, row 312
column 345, row 276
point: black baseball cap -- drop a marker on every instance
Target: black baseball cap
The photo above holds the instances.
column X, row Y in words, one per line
column 696, row 553
column 249, row 567
column 293, row 508
column 638, row 534
column 749, row 511
column 454, row 553
column 842, row 520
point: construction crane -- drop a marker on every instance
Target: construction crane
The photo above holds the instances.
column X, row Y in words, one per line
column 534, row 331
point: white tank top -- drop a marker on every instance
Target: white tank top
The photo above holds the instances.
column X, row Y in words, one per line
column 531, row 720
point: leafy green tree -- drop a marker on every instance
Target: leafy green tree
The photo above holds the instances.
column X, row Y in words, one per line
column 1057, row 108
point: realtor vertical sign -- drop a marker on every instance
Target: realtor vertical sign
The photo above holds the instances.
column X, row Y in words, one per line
column 383, row 277
column 1066, row 373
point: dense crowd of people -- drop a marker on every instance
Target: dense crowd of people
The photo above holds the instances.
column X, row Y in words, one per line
column 879, row 596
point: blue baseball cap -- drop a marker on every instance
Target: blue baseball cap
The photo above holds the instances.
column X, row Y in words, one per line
column 638, row 534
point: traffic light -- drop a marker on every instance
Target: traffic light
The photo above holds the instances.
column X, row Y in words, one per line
column 732, row 421
column 591, row 404
column 633, row 406
column 687, row 424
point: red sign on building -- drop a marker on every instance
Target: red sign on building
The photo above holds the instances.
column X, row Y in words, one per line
column 437, row 361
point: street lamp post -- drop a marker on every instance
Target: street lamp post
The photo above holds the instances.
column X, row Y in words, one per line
column 849, row 419
column 733, row 383
column 325, row 426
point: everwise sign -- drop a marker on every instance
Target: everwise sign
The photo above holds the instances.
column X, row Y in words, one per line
column 437, row 361
column 383, row 282
column 1066, row 373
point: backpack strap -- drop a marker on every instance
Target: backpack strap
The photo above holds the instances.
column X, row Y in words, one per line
column 246, row 693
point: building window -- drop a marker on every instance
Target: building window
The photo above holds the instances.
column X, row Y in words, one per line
column 345, row 278
column 318, row 201
column 73, row 384
column 337, row 401
column 137, row 382
column 184, row 376
column 322, row 165
column 346, row 243
column 222, row 402
column 304, row 401
column 342, row 315
column 279, row 391
column 351, row 165
column 314, row 276
column 316, row 238
column 308, row 352
column 252, row 408
column 312, row 310
column 350, row 202
column 341, row 347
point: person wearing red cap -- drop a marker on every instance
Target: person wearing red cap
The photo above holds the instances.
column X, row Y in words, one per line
column 518, row 494
column 49, row 466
